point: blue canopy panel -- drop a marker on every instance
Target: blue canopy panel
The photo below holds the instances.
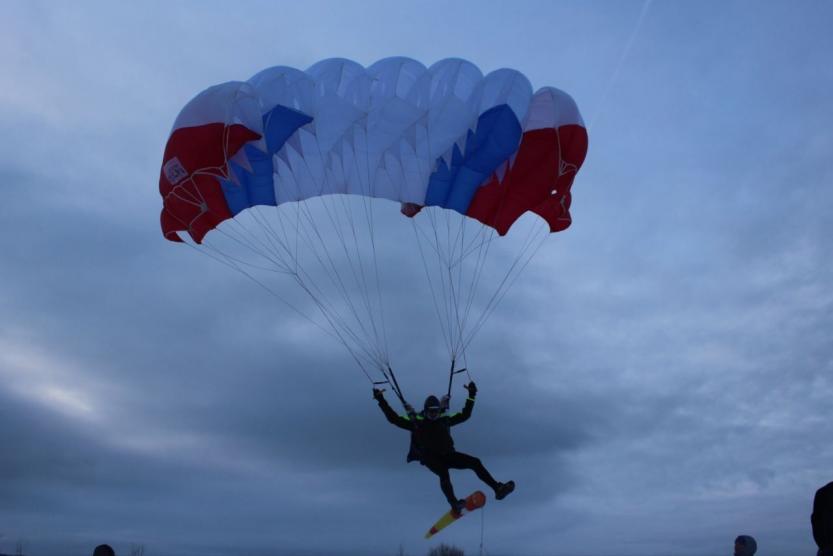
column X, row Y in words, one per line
column 495, row 139
column 257, row 187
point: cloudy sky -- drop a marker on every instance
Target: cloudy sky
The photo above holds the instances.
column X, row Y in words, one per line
column 657, row 382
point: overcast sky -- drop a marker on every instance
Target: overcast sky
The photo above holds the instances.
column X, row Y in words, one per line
column 657, row 382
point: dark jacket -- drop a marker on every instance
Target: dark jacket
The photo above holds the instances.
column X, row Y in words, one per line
column 822, row 519
column 429, row 438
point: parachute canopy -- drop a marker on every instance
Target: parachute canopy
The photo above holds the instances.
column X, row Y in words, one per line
column 289, row 176
column 447, row 136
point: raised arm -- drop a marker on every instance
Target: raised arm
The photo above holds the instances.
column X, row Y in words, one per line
column 390, row 414
column 458, row 418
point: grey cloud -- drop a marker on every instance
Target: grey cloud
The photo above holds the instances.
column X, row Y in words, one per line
column 666, row 358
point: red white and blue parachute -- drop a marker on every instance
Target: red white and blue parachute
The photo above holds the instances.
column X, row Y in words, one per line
column 445, row 136
column 441, row 138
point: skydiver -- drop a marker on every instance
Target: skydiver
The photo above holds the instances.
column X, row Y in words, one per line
column 433, row 447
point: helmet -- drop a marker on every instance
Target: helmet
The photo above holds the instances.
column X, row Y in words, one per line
column 432, row 408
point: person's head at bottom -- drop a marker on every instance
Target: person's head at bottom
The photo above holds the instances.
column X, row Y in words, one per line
column 745, row 546
column 104, row 550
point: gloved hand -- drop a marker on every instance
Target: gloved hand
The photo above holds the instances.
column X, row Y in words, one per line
column 378, row 394
column 409, row 409
column 444, row 402
column 472, row 388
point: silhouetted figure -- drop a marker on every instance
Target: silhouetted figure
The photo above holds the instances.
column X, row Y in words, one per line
column 745, row 546
column 822, row 519
column 433, row 447
column 104, row 550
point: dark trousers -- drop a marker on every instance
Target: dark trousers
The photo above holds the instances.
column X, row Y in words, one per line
column 440, row 464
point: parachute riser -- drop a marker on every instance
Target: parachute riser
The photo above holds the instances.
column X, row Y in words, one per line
column 451, row 374
column 394, row 385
